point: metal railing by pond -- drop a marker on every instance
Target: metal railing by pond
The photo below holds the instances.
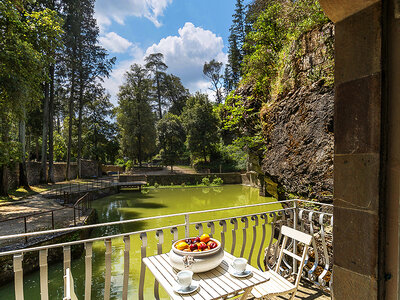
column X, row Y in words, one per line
column 64, row 190
column 49, row 219
column 259, row 233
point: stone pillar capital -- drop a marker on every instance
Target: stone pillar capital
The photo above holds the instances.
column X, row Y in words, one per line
column 338, row 10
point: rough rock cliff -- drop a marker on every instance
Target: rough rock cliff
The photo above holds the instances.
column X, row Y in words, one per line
column 297, row 121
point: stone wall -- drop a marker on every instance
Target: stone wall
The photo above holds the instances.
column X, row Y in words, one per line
column 89, row 169
column 111, row 168
column 192, row 179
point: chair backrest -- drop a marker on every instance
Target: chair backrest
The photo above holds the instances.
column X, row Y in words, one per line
column 299, row 236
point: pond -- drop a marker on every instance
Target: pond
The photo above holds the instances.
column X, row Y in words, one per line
column 133, row 205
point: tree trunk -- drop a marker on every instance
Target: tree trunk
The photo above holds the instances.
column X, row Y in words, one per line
column 43, row 167
column 51, row 127
column 37, row 149
column 79, row 152
column 140, row 150
column 4, row 168
column 23, row 176
column 159, row 95
column 70, row 114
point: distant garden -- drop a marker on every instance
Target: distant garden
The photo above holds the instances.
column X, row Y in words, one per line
column 54, row 107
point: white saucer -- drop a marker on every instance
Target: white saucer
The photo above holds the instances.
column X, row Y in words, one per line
column 193, row 287
column 245, row 273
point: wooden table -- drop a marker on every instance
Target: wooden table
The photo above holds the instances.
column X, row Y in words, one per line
column 214, row 284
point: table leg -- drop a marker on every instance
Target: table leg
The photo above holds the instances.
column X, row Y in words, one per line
column 246, row 293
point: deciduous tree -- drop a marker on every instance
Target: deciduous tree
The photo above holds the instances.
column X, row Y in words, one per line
column 135, row 116
column 201, row 125
column 212, row 70
column 171, row 139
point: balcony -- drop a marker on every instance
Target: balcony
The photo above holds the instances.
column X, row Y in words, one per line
column 123, row 275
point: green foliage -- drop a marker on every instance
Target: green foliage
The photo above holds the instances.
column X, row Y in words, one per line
column 205, row 181
column 201, row 125
column 156, row 185
column 217, row 181
column 269, row 39
column 212, row 70
column 233, row 70
column 175, row 94
column 129, row 165
column 170, row 138
column 100, row 133
column 135, row 116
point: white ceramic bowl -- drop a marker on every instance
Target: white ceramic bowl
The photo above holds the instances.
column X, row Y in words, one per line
column 202, row 261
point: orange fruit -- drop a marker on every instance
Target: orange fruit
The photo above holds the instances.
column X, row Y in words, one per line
column 182, row 246
column 205, row 238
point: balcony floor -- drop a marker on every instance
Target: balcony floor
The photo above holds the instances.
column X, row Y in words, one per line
column 306, row 291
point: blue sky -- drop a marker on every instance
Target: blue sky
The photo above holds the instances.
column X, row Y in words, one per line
column 187, row 32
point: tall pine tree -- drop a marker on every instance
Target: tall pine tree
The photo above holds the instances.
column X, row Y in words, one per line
column 236, row 39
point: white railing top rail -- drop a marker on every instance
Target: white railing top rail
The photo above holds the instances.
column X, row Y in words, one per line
column 143, row 231
column 101, row 238
column 68, row 229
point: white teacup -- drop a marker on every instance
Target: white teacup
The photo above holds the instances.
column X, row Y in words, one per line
column 184, row 278
column 239, row 264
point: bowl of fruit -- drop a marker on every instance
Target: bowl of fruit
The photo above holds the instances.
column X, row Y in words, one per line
column 198, row 254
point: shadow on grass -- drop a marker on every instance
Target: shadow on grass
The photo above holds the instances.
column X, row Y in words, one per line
column 18, row 194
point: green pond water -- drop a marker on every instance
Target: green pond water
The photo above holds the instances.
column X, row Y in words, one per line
column 156, row 202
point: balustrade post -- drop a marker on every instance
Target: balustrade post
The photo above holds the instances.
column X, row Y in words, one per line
column 160, row 237
column 222, row 223
column 143, row 237
column 244, row 230
column 255, row 219
column 127, row 242
column 88, row 270
column 18, row 276
column 212, row 228
column 187, row 226
column 44, row 288
column 235, row 227
column 107, row 284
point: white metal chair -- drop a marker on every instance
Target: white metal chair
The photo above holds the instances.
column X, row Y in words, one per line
column 69, row 286
column 277, row 284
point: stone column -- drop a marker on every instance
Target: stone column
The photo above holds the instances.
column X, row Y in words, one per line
column 392, row 250
column 367, row 148
column 359, row 160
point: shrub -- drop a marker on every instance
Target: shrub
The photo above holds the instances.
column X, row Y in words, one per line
column 129, row 165
column 217, row 181
column 205, row 181
column 156, row 185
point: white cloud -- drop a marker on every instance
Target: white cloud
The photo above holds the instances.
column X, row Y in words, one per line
column 115, row 43
column 185, row 55
column 117, row 10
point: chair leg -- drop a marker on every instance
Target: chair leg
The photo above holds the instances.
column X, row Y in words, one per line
column 292, row 297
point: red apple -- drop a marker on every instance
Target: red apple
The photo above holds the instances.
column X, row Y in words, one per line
column 213, row 245
column 197, row 240
column 192, row 247
column 201, row 246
